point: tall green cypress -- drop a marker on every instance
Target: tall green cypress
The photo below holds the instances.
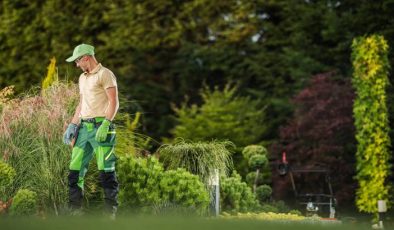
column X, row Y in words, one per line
column 370, row 80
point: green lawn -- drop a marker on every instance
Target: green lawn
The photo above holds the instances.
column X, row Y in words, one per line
column 162, row 223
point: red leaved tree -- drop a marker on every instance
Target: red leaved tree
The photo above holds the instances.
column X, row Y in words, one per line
column 321, row 134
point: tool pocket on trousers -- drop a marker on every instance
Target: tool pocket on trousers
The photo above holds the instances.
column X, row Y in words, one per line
column 111, row 138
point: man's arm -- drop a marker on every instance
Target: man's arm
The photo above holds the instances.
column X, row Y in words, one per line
column 75, row 119
column 112, row 94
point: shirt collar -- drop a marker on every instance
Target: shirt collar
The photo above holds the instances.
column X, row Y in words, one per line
column 95, row 70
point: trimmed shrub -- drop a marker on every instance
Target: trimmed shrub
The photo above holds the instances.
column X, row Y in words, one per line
column 263, row 178
column 263, row 193
column 258, row 162
column 236, row 196
column 252, row 150
column 24, row 203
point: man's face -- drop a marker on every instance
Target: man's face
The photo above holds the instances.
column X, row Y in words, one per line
column 81, row 62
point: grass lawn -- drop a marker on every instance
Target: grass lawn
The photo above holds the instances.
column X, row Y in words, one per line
column 162, row 223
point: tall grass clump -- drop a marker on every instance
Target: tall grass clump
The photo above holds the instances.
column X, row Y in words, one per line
column 31, row 130
column 130, row 142
column 199, row 158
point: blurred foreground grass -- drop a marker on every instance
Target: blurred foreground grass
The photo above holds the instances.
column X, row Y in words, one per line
column 162, row 223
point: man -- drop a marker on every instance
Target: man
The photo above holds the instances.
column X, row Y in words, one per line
column 92, row 130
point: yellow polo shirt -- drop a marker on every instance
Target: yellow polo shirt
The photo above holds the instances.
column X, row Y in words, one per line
column 92, row 87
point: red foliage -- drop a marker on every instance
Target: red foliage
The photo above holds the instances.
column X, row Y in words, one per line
column 321, row 134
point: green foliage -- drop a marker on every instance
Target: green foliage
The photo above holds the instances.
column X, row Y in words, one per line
column 295, row 212
column 24, row 203
column 251, row 150
column 263, row 178
column 370, row 79
column 222, row 116
column 184, row 189
column 268, row 208
column 263, row 193
column 129, row 140
column 236, row 196
column 199, row 158
column 146, row 186
column 258, row 162
column 7, row 174
column 31, row 140
column 257, row 157
column 281, row 206
column 140, row 182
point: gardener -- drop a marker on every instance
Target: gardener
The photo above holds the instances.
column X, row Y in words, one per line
column 92, row 130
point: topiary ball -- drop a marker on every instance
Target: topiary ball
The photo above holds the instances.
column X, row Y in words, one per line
column 252, row 150
column 263, row 193
column 258, row 161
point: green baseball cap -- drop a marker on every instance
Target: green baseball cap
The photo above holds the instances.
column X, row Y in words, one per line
column 80, row 50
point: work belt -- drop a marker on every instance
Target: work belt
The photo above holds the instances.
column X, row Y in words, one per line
column 93, row 120
column 96, row 121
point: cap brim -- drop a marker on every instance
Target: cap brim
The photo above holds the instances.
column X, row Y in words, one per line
column 71, row 59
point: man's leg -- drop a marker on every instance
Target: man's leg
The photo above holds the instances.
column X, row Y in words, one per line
column 82, row 153
column 111, row 187
column 105, row 155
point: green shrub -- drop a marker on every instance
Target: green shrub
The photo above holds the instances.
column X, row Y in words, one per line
column 147, row 187
column 24, row 203
column 281, row 206
column 263, row 178
column 251, row 150
column 183, row 189
column 7, row 174
column 269, row 208
column 258, row 162
column 263, row 192
column 222, row 116
column 140, row 182
column 251, row 178
column 236, row 196
column 295, row 212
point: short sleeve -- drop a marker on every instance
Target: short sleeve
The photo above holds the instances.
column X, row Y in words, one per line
column 108, row 79
column 80, row 84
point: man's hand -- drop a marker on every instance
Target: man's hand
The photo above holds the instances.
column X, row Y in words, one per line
column 70, row 133
column 102, row 131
